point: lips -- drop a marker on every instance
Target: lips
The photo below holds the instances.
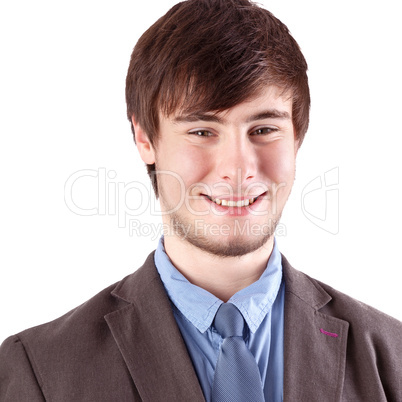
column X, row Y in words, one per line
column 243, row 202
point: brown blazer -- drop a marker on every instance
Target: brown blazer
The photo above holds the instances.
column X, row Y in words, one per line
column 124, row 345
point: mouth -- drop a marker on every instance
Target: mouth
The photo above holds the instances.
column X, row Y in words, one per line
column 244, row 202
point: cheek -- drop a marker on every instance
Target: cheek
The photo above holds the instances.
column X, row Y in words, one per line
column 190, row 164
column 278, row 165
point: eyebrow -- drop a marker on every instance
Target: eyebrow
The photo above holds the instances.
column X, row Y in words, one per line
column 267, row 114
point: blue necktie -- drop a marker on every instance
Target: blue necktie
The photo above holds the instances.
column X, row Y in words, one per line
column 237, row 377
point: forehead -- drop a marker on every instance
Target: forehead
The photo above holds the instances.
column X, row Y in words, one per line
column 270, row 102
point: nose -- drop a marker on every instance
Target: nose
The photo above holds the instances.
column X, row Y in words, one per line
column 237, row 162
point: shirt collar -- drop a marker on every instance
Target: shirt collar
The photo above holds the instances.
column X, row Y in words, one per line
column 199, row 306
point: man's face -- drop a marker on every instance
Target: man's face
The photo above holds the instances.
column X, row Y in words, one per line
column 224, row 178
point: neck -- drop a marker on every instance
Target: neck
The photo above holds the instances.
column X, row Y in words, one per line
column 221, row 276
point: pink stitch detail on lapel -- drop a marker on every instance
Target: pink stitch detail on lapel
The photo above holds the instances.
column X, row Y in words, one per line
column 329, row 333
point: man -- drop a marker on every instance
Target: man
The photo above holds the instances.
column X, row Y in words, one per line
column 218, row 99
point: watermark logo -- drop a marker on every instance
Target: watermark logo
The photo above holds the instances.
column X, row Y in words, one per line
column 114, row 198
column 202, row 228
column 128, row 201
column 135, row 198
column 320, row 201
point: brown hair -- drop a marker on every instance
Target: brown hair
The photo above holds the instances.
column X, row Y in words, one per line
column 210, row 55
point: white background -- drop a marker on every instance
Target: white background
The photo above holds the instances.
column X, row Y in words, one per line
column 63, row 67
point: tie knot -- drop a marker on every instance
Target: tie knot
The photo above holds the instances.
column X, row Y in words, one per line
column 229, row 321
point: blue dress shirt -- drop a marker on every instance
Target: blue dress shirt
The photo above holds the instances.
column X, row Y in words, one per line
column 262, row 306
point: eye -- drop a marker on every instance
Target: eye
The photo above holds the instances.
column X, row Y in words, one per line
column 201, row 133
column 264, row 131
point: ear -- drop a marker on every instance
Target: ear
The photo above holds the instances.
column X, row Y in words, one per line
column 144, row 146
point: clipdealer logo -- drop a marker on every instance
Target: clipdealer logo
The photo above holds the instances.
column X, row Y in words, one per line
column 104, row 195
column 114, row 198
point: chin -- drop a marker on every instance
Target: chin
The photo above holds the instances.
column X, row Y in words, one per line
column 235, row 247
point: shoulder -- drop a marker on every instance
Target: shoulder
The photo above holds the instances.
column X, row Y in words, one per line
column 373, row 341
column 74, row 337
column 370, row 331
column 363, row 319
column 88, row 317
column 331, row 301
column 33, row 361
column 353, row 310
column 374, row 344
column 76, row 346
column 87, row 320
column 82, row 320
column 84, row 327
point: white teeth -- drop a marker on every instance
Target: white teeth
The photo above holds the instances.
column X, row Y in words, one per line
column 229, row 203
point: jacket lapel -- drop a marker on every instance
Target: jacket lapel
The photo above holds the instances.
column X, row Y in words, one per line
column 314, row 343
column 151, row 344
column 149, row 340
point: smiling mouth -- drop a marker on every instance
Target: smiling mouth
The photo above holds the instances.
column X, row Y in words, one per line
column 232, row 203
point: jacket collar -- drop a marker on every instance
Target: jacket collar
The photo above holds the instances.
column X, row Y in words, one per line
column 149, row 340
column 314, row 343
column 151, row 344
